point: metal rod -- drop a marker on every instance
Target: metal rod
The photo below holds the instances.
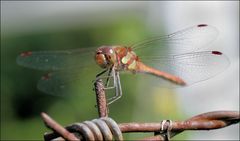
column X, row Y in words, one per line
column 101, row 98
column 52, row 124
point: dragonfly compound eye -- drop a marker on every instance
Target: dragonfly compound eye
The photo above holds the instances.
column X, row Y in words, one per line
column 101, row 60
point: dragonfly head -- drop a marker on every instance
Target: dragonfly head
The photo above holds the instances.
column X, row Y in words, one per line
column 105, row 56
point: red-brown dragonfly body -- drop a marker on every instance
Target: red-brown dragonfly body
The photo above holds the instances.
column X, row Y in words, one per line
column 125, row 59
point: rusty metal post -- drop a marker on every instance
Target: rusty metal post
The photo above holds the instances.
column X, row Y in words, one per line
column 101, row 98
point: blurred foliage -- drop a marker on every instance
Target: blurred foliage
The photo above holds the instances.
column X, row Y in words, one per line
column 21, row 102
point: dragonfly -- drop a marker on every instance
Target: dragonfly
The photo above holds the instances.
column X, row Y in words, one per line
column 183, row 60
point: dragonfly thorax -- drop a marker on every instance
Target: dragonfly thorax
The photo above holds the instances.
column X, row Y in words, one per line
column 105, row 57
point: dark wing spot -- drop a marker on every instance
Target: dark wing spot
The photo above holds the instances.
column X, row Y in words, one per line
column 26, row 54
column 202, row 25
column 216, row 53
column 46, row 76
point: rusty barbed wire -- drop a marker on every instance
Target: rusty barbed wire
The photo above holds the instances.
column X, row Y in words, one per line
column 102, row 129
column 206, row 121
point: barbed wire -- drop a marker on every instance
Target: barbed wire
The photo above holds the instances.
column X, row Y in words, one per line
column 206, row 121
column 105, row 128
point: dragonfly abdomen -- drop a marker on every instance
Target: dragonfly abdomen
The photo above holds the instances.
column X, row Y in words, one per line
column 146, row 69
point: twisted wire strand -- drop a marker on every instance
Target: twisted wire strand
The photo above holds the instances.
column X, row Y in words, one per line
column 117, row 133
column 83, row 129
column 104, row 129
column 97, row 129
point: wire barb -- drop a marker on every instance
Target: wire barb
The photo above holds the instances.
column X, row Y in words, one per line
column 166, row 133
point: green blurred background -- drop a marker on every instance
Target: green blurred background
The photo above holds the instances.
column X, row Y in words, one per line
column 41, row 26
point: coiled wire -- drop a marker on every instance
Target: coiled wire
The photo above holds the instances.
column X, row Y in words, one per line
column 98, row 129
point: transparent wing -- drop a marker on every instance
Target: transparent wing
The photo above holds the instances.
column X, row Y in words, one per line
column 191, row 67
column 65, row 82
column 56, row 84
column 57, row 60
column 187, row 40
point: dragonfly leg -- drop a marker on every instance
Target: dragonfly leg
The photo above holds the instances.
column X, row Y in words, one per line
column 101, row 73
column 116, row 83
column 118, row 88
column 110, row 75
column 98, row 77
